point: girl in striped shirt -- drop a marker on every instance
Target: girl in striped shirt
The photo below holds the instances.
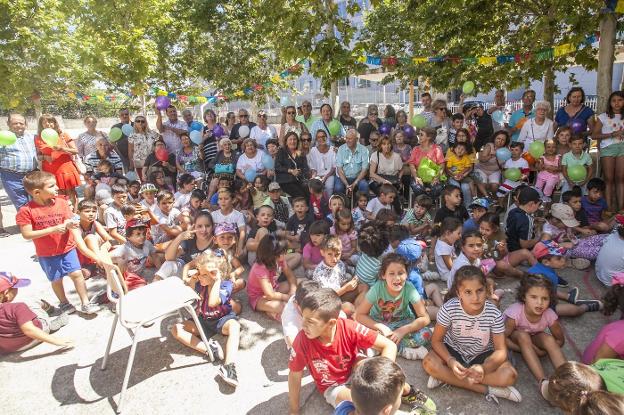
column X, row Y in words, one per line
column 468, row 343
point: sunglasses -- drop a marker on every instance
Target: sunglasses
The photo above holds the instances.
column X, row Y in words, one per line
column 243, row 116
column 139, row 121
column 291, row 113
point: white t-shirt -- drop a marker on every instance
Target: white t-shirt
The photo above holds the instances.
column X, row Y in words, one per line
column 610, row 125
column 457, row 264
column 182, row 200
column 151, row 207
column 322, row 163
column 133, row 258
column 391, row 166
column 610, row 258
column 520, row 163
column 244, row 163
column 113, row 218
column 531, row 131
column 234, row 217
column 172, row 140
column 261, row 136
column 442, row 248
column 375, row 205
column 159, row 235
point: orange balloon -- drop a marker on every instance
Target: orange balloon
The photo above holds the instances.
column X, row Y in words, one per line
column 520, row 123
column 529, row 158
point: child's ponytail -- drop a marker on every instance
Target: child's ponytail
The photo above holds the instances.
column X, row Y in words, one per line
column 614, row 298
column 448, row 224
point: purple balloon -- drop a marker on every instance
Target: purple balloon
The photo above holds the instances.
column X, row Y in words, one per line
column 408, row 130
column 385, row 129
column 578, row 126
column 217, row 131
column 162, row 102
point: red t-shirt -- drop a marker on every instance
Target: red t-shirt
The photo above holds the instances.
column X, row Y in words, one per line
column 331, row 365
column 42, row 217
column 12, row 316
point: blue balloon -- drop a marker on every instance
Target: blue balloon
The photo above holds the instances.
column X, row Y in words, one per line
column 284, row 101
column 132, row 176
column 498, row 116
column 196, row 126
column 196, row 136
column 250, row 175
column 503, row 154
column 212, row 100
column 268, row 162
column 127, row 129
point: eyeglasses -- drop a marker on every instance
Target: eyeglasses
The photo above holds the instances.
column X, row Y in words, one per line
column 307, row 139
column 374, row 113
column 243, row 116
column 291, row 113
column 440, row 109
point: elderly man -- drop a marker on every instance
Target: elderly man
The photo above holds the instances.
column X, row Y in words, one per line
column 351, row 165
column 243, row 119
column 16, row 160
column 171, row 129
column 306, row 116
column 121, row 145
column 519, row 117
column 187, row 116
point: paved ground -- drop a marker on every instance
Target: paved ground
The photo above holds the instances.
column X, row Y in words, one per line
column 169, row 378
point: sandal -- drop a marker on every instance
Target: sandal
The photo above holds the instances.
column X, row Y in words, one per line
column 4, row 233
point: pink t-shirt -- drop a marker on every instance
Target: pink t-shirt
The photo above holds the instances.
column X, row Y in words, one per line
column 613, row 335
column 312, row 253
column 516, row 312
column 347, row 241
column 258, row 272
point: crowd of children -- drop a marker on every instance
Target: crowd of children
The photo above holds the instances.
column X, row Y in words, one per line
column 349, row 276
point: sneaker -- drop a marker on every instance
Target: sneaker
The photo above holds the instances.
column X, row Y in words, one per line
column 509, row 393
column 50, row 309
column 433, row 383
column 89, row 308
column 573, row 295
column 417, row 400
column 67, row 308
column 216, row 349
column 430, row 276
column 581, row 263
column 413, row 353
column 228, row 374
column 59, row 322
column 562, row 283
column 592, row 305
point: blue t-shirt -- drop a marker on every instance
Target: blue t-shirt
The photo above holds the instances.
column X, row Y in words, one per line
column 548, row 272
column 214, row 199
column 344, row 408
column 515, row 118
column 562, row 117
column 594, row 210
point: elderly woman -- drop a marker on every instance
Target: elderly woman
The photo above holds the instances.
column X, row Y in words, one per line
column 262, row 131
column 140, row 145
column 291, row 124
column 167, row 167
column 250, row 159
column 323, row 124
column 223, row 165
column 86, row 141
column 575, row 109
column 386, row 167
column 369, row 124
column 291, row 168
column 322, row 162
column 58, row 159
column 539, row 128
column 433, row 152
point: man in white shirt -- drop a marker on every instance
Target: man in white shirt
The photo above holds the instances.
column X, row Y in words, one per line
column 171, row 129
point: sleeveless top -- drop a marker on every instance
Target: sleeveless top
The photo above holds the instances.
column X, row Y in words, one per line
column 610, row 125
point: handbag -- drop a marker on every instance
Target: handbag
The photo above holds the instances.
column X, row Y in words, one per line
column 224, row 168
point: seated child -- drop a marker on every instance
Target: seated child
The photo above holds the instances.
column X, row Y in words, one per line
column 610, row 260
column 106, row 175
column 516, row 162
column 394, row 308
column 548, row 177
column 459, row 167
column 495, row 248
column 280, row 204
column 132, row 257
column 227, row 214
column 94, row 235
column 576, row 156
column 562, row 138
column 608, row 342
column 189, row 212
column 385, row 200
column 186, row 185
column 449, row 232
column 23, row 327
column 519, row 226
column 299, row 224
column 292, row 322
column 312, row 250
column 572, row 198
column 376, row 387
column 214, row 310
column 526, row 322
column 373, row 241
column 113, row 218
column 326, row 339
column 387, row 217
column 265, row 224
column 418, row 219
column 222, row 183
column 336, row 202
column 319, row 203
column 344, row 228
column 478, row 208
column 457, row 123
column 271, row 282
column 167, row 220
column 331, row 272
column 451, row 205
column 148, row 196
column 550, row 257
column 595, row 206
column 225, row 242
column 259, row 191
column 468, row 343
column 359, row 212
column 133, row 192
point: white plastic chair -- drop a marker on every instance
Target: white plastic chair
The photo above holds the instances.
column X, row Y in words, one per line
column 144, row 305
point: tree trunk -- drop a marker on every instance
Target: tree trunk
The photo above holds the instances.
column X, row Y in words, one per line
column 333, row 93
column 606, row 56
column 549, row 87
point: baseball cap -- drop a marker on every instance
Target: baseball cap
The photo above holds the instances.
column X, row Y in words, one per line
column 565, row 214
column 480, row 202
column 148, row 187
column 222, row 228
column 8, row 280
column 274, row 186
column 543, row 248
column 135, row 223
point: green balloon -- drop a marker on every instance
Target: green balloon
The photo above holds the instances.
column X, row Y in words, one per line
column 7, row 138
column 427, row 170
column 536, row 149
column 115, row 134
column 334, row 127
column 419, row 121
column 468, row 87
column 50, row 137
column 513, row 174
column 577, row 172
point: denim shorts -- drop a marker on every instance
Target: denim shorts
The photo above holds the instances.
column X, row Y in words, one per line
column 57, row 266
column 613, row 150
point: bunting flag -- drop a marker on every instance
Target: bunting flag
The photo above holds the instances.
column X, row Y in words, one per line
column 615, row 6
column 539, row 55
column 199, row 99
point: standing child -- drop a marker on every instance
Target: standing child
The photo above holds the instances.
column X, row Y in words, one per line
column 468, row 343
column 312, row 250
column 459, row 167
column 549, row 171
column 226, row 213
column 328, row 346
column 372, row 241
column 359, row 212
column 344, row 228
column 299, row 224
column 576, row 157
column 451, row 205
column 385, row 200
column 515, row 162
column 318, row 199
column 214, row 310
column 113, row 218
column 418, row 219
column 271, row 282
column 562, row 138
column 394, row 308
column 449, row 232
column 259, row 191
column 331, row 272
column 46, row 220
column 525, row 327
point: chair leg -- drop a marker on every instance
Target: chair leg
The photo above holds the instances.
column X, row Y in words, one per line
column 197, row 324
column 110, row 342
column 135, row 340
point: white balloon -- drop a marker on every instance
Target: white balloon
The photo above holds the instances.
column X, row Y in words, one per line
column 243, row 131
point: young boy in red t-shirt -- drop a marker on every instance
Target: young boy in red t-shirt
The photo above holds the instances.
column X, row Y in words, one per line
column 329, row 346
column 47, row 221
